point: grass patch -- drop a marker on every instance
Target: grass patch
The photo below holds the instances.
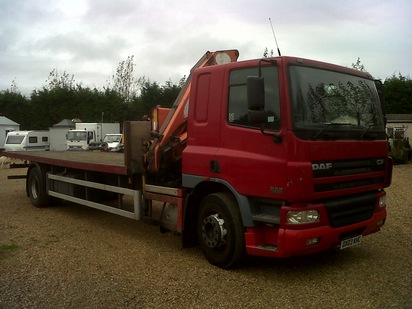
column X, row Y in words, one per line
column 6, row 249
column 53, row 239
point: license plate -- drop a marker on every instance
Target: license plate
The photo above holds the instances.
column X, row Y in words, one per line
column 350, row 242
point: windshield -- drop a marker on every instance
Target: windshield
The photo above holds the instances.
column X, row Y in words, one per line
column 14, row 139
column 332, row 105
column 76, row 136
column 112, row 138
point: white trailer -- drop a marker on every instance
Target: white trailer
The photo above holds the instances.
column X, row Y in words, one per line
column 27, row 141
column 84, row 133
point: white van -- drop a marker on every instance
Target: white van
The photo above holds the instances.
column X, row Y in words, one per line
column 114, row 141
column 27, row 141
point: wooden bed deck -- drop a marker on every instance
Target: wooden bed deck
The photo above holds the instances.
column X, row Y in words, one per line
column 107, row 162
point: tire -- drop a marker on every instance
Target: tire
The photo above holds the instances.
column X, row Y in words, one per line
column 220, row 230
column 36, row 188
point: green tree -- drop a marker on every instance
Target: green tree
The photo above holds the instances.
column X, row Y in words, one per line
column 123, row 80
column 46, row 107
column 62, row 98
column 266, row 53
column 54, row 102
column 14, row 105
column 170, row 92
column 150, row 97
column 60, row 81
column 398, row 94
column 358, row 65
column 152, row 94
column 112, row 104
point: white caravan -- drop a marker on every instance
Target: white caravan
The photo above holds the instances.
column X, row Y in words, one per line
column 27, row 141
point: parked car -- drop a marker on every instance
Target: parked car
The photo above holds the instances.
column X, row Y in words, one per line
column 97, row 146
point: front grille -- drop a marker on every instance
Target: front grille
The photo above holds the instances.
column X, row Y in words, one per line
column 337, row 169
column 322, row 187
column 350, row 210
column 350, row 167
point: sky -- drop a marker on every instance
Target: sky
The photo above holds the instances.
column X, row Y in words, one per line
column 89, row 38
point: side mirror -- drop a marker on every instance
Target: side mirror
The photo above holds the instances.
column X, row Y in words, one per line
column 255, row 93
column 257, row 117
column 256, row 99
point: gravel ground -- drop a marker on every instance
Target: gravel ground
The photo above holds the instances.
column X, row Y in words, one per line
column 70, row 256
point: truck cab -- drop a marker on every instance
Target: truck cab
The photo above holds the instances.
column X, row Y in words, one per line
column 79, row 139
column 298, row 145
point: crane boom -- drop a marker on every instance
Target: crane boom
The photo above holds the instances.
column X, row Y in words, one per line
column 173, row 130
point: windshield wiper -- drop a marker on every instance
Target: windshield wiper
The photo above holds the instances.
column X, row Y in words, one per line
column 365, row 130
column 327, row 125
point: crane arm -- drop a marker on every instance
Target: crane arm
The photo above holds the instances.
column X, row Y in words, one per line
column 175, row 122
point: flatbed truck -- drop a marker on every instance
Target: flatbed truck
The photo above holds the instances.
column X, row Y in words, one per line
column 273, row 157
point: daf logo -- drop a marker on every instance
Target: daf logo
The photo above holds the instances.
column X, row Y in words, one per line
column 380, row 161
column 321, row 166
column 276, row 190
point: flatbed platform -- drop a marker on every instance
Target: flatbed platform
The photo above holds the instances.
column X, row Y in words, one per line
column 106, row 162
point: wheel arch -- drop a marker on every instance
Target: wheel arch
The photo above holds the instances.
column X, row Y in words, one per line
column 200, row 191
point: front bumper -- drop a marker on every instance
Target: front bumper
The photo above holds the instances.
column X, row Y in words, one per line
column 271, row 241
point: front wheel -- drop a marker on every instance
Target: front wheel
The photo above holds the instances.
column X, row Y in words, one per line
column 220, row 230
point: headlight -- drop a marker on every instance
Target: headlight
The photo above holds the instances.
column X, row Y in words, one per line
column 382, row 201
column 302, row 217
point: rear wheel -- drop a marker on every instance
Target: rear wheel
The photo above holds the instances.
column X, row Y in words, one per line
column 36, row 188
column 220, row 230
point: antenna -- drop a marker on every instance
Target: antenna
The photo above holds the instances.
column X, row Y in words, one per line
column 276, row 41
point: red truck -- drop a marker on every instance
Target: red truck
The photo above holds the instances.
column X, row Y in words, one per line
column 272, row 157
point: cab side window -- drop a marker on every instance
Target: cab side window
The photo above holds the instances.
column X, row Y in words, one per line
column 238, row 108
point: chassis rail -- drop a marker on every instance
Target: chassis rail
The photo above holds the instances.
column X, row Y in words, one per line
column 135, row 194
